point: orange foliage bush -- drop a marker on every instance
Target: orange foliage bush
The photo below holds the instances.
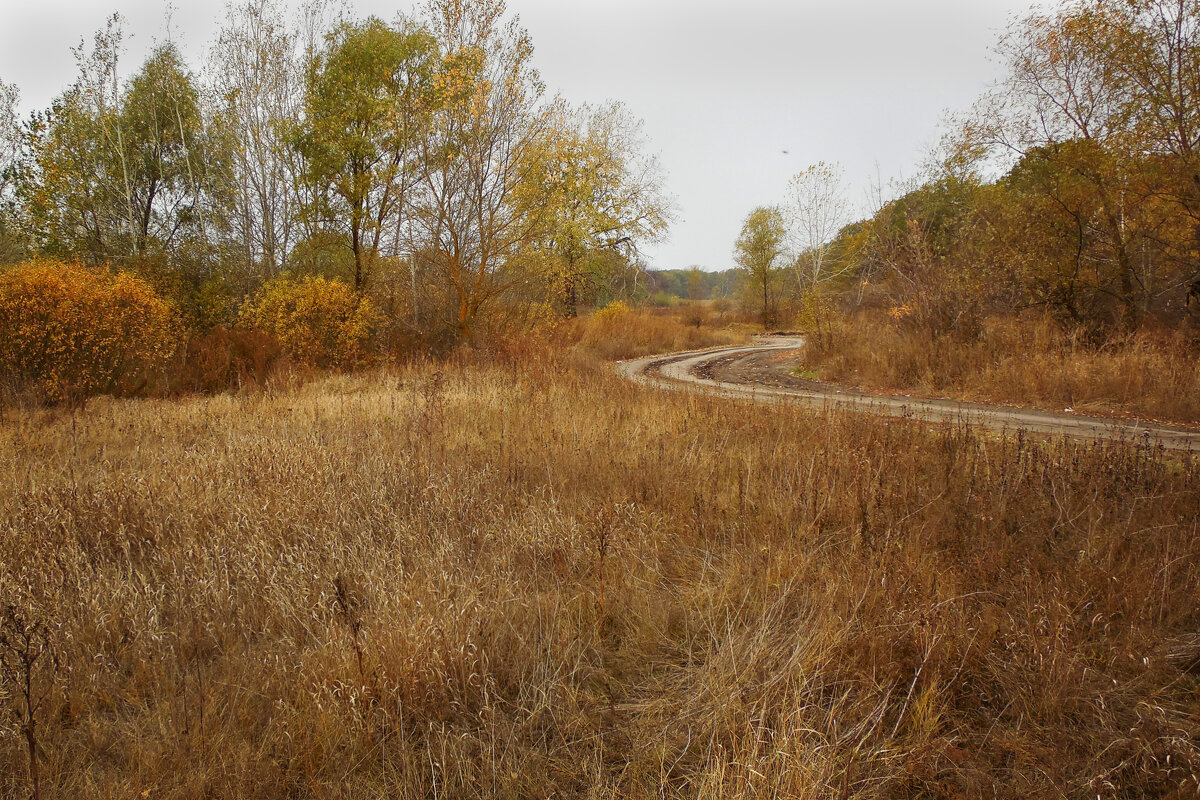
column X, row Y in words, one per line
column 68, row 331
column 317, row 321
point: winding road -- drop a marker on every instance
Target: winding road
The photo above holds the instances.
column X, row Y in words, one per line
column 762, row 372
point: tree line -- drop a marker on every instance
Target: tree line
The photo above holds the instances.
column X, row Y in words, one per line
column 1072, row 187
column 694, row 283
column 420, row 162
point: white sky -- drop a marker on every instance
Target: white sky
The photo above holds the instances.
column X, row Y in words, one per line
column 724, row 86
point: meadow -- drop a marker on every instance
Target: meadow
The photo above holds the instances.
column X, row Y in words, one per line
column 1152, row 373
column 520, row 576
column 317, row 479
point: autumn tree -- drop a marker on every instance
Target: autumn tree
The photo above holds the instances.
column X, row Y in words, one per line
column 470, row 230
column 366, row 102
column 816, row 209
column 418, row 161
column 696, row 289
column 10, row 139
column 164, row 148
column 760, row 252
column 119, row 170
column 1154, row 48
column 258, row 83
column 77, row 190
column 1100, row 98
column 593, row 189
column 12, row 151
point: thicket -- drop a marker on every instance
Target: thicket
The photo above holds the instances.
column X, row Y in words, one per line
column 1069, row 195
column 417, row 162
column 68, row 332
column 666, row 285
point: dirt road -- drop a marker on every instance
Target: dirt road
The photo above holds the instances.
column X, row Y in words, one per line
column 762, row 371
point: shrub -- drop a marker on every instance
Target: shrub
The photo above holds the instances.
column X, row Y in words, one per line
column 695, row 313
column 816, row 316
column 317, row 321
column 612, row 312
column 223, row 359
column 68, row 331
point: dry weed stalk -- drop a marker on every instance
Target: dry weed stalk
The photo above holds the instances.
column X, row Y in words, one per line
column 29, row 666
column 349, row 609
column 601, row 527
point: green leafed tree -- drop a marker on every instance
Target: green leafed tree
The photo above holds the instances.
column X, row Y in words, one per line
column 119, row 170
column 595, row 191
column 76, row 193
column 760, row 252
column 366, row 105
column 163, row 136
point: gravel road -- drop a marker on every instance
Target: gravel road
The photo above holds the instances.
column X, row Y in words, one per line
column 762, row 372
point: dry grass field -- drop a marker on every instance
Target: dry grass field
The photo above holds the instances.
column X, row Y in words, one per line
column 528, row 578
column 1026, row 362
column 633, row 333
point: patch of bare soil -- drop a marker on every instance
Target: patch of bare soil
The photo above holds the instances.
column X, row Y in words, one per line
column 771, row 368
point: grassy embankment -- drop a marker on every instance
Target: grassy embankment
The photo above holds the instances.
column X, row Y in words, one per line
column 529, row 578
column 1022, row 362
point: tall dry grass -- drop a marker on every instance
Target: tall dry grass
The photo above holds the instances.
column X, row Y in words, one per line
column 1027, row 362
column 538, row 580
column 620, row 332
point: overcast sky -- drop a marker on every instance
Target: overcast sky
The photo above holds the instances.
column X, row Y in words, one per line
column 725, row 86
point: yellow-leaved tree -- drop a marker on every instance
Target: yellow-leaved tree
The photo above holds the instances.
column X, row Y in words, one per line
column 596, row 197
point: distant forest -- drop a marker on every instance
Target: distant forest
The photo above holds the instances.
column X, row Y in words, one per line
column 693, row 284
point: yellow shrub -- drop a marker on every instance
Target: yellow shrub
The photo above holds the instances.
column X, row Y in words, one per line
column 67, row 331
column 318, row 321
column 612, row 312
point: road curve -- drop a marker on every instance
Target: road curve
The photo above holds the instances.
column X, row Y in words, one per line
column 740, row 372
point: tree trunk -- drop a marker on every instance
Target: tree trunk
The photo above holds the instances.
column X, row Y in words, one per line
column 34, row 777
column 766, row 308
column 571, row 293
column 464, row 317
column 356, row 245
